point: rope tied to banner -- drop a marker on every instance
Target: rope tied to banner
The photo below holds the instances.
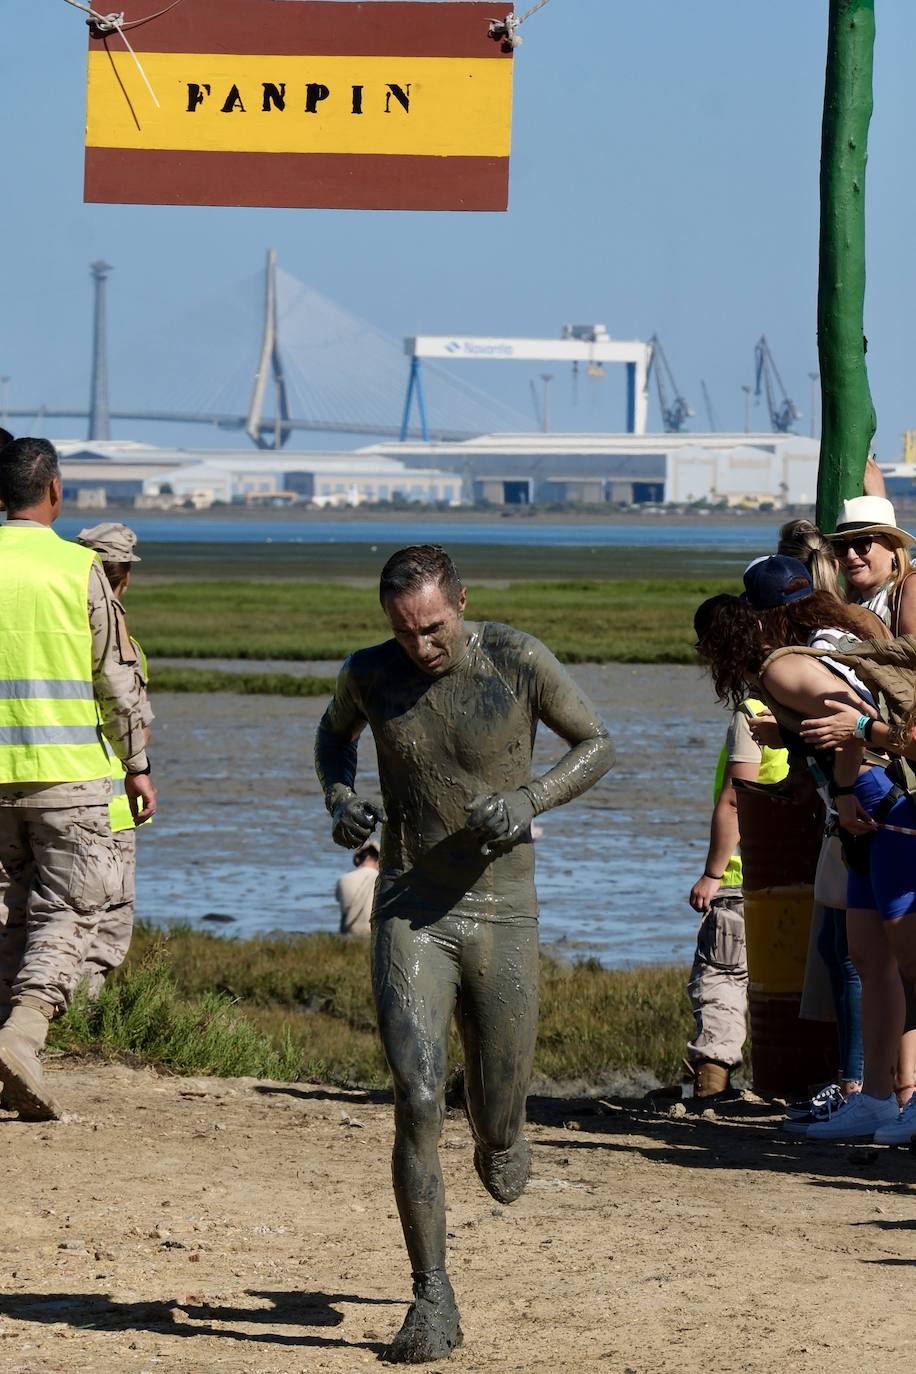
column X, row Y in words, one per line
column 506, row 31
column 104, row 24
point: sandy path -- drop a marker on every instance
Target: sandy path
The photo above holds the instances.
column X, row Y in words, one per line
column 197, row 1225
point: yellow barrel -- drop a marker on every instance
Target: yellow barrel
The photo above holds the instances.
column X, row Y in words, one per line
column 776, row 923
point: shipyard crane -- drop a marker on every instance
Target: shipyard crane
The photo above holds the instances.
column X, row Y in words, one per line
column 710, row 409
column 676, row 411
column 785, row 412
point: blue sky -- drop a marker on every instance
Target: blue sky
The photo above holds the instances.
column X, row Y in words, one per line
column 664, row 179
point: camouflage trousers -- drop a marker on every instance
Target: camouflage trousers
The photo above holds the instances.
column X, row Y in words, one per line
column 62, row 870
column 718, row 982
column 111, row 941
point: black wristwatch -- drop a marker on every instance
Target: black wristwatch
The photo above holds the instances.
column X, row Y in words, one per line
column 138, row 772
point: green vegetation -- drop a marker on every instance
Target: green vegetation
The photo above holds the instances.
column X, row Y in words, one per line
column 583, row 621
column 301, row 1007
column 284, row 560
column 246, row 684
column 142, row 1014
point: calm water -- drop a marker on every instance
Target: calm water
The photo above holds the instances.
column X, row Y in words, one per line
column 243, row 831
column 647, row 532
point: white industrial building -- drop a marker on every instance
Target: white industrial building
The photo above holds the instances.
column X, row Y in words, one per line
column 505, row 469
column 678, row 469
column 96, row 471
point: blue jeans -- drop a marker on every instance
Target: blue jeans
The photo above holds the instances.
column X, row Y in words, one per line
column 847, row 993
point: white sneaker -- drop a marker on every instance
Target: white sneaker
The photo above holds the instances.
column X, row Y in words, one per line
column 901, row 1131
column 858, row 1118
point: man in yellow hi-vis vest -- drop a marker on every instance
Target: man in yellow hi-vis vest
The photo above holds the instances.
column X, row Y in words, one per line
column 115, row 544
column 65, row 687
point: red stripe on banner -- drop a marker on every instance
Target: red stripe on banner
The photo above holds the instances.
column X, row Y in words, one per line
column 333, row 181
column 280, row 28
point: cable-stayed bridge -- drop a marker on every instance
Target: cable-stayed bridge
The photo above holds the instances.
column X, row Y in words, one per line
column 298, row 360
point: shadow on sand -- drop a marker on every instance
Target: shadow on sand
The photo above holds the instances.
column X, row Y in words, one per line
column 743, row 1135
column 95, row 1312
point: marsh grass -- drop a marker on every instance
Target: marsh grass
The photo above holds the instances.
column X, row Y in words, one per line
column 301, row 1007
column 354, row 561
column 243, row 683
column 582, row 621
column 143, row 1014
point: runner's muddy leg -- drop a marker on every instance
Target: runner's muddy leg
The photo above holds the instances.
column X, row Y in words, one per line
column 499, row 1006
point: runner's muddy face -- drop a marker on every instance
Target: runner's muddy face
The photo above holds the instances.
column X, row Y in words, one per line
column 428, row 627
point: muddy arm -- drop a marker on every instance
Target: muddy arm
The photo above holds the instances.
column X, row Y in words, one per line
column 565, row 709
column 336, row 739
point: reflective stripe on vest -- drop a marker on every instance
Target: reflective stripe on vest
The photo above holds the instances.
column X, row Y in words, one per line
column 49, row 734
column 49, row 722
column 29, row 688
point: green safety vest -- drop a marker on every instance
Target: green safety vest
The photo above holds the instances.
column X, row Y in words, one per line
column 774, row 765
column 119, row 811
column 49, row 722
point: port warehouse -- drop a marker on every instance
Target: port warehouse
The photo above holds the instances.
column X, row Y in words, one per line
column 504, row 469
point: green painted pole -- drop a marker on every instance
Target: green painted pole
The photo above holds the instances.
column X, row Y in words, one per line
column 848, row 414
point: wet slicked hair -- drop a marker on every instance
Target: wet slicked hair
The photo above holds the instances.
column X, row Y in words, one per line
column 27, row 468
column 410, row 569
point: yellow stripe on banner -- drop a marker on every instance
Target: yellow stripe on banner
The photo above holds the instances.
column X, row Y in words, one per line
column 430, row 106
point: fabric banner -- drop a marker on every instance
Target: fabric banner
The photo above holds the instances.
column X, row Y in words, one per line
column 301, row 103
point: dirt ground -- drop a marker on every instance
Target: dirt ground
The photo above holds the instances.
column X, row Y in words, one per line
column 206, row 1224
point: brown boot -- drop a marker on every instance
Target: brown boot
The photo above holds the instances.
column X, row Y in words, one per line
column 21, row 1038
column 711, row 1078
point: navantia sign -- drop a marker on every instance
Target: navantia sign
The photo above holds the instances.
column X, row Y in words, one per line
column 378, row 106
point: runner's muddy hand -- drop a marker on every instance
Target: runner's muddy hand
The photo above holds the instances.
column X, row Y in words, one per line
column 353, row 820
column 500, row 821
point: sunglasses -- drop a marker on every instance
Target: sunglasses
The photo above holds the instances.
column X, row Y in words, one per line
column 860, row 547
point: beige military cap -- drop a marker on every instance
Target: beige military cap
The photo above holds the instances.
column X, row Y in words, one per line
column 115, row 543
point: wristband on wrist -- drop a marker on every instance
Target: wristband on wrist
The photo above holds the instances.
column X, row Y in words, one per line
column 713, row 877
column 138, row 772
column 841, row 791
column 861, row 730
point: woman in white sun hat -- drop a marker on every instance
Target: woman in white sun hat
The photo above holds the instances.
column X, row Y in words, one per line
column 873, row 554
column 874, row 557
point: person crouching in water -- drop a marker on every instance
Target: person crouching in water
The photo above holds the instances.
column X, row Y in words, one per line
column 115, row 546
column 355, row 891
